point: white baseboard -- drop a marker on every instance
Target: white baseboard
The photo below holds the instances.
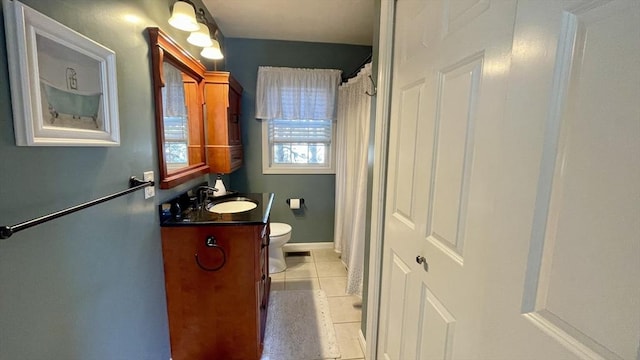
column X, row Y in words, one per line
column 363, row 342
column 292, row 247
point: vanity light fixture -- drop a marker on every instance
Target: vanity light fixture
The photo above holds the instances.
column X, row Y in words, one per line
column 201, row 37
column 183, row 17
column 212, row 52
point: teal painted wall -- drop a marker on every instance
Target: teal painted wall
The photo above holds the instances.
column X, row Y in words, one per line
column 315, row 222
column 89, row 285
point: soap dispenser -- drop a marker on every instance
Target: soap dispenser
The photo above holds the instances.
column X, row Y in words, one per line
column 220, row 186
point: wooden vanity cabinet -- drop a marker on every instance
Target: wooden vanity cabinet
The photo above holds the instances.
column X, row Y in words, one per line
column 222, row 94
column 216, row 314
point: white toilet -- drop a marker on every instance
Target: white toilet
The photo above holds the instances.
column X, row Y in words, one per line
column 280, row 234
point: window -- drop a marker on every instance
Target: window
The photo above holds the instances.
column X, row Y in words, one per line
column 298, row 146
column 175, row 119
column 297, row 108
column 175, row 142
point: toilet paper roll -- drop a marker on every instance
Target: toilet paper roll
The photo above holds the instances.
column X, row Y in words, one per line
column 294, row 204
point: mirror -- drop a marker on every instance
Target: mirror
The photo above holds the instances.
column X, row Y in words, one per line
column 178, row 87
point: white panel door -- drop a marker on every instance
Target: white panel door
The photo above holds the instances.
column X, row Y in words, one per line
column 514, row 170
column 565, row 277
column 451, row 61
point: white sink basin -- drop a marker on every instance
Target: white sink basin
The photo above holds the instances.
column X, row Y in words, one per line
column 232, row 206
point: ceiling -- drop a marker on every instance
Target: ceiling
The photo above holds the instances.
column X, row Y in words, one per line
column 326, row 21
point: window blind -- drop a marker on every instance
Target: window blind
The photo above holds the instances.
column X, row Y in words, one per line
column 300, row 131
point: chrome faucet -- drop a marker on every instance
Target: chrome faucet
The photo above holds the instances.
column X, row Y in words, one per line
column 203, row 193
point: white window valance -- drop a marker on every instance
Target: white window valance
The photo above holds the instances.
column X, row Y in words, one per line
column 291, row 93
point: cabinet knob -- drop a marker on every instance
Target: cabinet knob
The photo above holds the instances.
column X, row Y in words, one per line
column 210, row 241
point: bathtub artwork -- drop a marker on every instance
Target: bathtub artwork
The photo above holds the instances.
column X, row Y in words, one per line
column 71, row 108
column 63, row 90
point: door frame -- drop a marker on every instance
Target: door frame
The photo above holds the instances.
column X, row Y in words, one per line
column 379, row 181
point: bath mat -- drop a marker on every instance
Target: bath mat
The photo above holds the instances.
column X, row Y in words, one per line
column 299, row 327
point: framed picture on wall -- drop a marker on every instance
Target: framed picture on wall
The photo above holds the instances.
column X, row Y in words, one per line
column 63, row 84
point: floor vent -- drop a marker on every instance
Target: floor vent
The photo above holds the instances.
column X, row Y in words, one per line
column 298, row 253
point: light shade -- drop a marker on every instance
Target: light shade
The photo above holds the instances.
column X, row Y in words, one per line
column 212, row 52
column 183, row 17
column 200, row 37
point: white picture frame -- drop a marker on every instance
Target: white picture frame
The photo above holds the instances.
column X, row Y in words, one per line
column 63, row 84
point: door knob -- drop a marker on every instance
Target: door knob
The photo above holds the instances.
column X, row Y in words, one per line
column 423, row 261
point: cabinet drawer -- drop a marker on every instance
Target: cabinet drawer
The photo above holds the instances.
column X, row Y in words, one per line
column 264, row 304
column 263, row 250
column 262, row 265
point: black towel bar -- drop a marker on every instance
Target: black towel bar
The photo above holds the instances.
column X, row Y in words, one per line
column 134, row 185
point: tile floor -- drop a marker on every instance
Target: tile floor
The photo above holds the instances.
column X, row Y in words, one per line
column 324, row 270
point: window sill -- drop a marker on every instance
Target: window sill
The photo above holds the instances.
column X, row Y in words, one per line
column 297, row 170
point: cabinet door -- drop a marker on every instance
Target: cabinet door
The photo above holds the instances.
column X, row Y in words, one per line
column 265, row 284
column 224, row 136
column 213, row 314
column 233, row 117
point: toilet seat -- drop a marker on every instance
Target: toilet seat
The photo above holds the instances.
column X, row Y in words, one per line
column 279, row 229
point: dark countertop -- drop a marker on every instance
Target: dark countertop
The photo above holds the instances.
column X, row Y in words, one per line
column 193, row 217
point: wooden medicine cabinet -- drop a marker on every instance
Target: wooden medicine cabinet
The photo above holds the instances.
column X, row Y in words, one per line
column 223, row 141
column 189, row 145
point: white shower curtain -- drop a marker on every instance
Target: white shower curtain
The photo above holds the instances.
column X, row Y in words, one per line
column 354, row 116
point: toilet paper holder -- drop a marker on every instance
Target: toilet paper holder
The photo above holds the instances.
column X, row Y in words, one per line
column 301, row 201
